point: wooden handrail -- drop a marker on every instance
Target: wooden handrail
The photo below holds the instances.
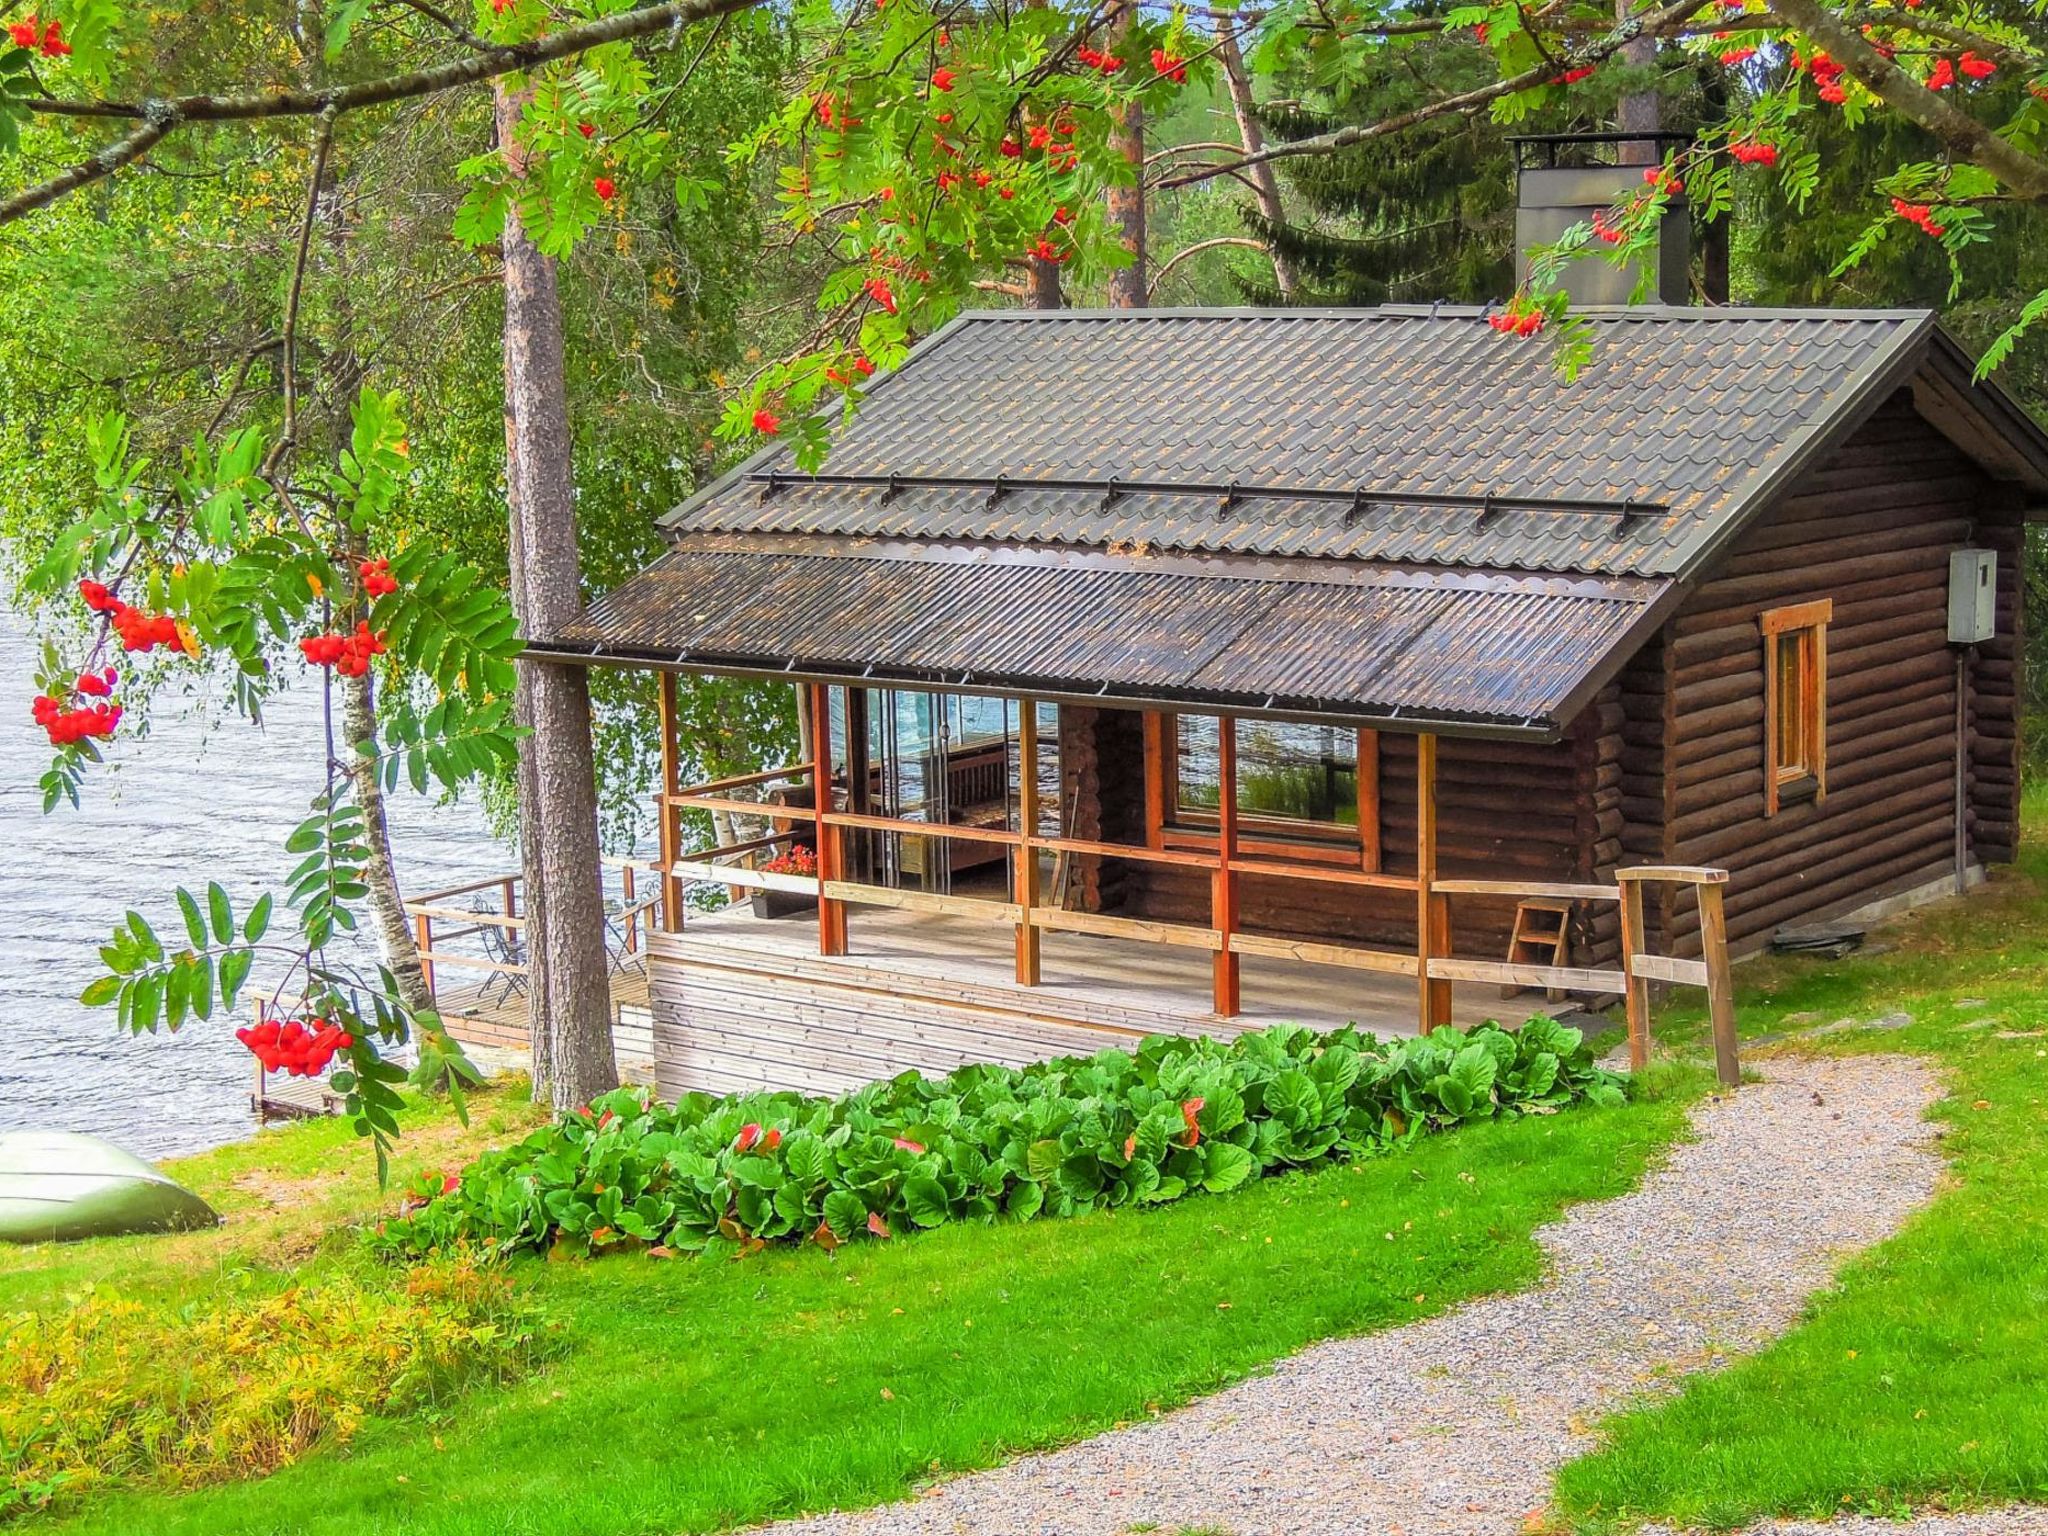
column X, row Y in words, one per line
column 1683, row 874
column 742, row 780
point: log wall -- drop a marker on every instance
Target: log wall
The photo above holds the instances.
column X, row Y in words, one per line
column 1871, row 528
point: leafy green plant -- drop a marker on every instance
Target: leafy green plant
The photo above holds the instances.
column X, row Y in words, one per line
column 729, row 1175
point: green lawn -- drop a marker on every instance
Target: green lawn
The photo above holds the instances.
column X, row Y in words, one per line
column 693, row 1396
column 1924, row 1378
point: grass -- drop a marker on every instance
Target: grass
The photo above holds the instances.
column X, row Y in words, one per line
column 693, row 1396
column 1922, row 1379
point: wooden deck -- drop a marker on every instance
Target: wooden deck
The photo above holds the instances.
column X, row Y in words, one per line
column 491, row 1024
column 740, row 1002
column 490, row 1020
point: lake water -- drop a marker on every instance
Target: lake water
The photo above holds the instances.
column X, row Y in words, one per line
column 194, row 801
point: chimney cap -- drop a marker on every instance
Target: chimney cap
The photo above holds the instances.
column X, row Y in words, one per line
column 1530, row 146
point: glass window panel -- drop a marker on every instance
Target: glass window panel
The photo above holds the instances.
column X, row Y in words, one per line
column 1794, row 709
column 1197, row 763
column 1285, row 771
column 1291, row 772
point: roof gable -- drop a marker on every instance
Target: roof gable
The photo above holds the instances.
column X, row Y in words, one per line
column 1703, row 413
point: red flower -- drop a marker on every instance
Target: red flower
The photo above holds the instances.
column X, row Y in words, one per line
column 1736, row 56
column 1041, row 135
column 1044, row 250
column 907, row 1145
column 451, row 1184
column 1188, row 1110
column 948, row 180
column 862, row 366
column 1169, row 66
column 98, row 597
column 54, row 46
column 1130, row 1148
column 944, row 117
column 23, row 32
column 605, row 187
column 1612, row 234
column 1006, row 193
column 1063, row 215
column 750, row 1133
column 942, row 79
column 877, row 288
column 1574, row 76
column 981, row 177
column 878, row 1226
column 767, row 422
column 586, row 129
column 1942, row 76
column 1010, row 149
column 1749, row 152
column 1977, row 67
column 772, row 1140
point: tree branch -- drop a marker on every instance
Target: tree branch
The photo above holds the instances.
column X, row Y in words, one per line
column 1243, row 241
column 1647, row 23
column 159, row 117
column 1961, row 133
column 125, row 151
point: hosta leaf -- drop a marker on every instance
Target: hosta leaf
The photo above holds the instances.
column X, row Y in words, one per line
column 1225, row 1166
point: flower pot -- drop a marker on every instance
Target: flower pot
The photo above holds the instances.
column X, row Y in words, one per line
column 782, row 903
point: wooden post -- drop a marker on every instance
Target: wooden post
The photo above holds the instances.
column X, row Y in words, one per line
column 1371, row 855
column 667, row 819
column 1159, row 741
column 1636, row 988
column 423, row 939
column 1432, row 908
column 1026, row 853
column 831, row 912
column 626, row 893
column 1223, row 887
column 1720, row 985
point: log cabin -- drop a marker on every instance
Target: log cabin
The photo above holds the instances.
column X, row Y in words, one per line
column 1187, row 670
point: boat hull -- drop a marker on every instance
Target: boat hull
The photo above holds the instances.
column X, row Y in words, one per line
column 58, row 1186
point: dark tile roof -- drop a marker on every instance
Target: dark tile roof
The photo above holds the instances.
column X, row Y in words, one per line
column 1376, row 645
column 1702, row 410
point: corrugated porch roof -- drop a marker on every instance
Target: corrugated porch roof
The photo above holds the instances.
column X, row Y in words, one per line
column 1373, row 643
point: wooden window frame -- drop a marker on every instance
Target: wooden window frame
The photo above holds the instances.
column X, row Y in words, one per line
column 1806, row 781
column 1262, row 836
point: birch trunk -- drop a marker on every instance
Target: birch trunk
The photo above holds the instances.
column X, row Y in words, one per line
column 558, row 813
column 380, row 872
column 1264, row 179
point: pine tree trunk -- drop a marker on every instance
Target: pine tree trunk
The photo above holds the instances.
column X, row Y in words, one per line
column 1638, row 111
column 1125, row 204
column 1264, row 179
column 558, row 816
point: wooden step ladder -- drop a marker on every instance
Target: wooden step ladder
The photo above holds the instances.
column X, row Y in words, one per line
column 1540, row 936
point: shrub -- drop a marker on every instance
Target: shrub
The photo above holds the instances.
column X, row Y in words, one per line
column 1056, row 1138
column 112, row 1390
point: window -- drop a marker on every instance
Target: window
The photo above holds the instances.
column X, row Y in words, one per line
column 1298, row 785
column 1795, row 703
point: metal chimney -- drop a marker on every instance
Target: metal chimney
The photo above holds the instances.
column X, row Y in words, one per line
column 1564, row 179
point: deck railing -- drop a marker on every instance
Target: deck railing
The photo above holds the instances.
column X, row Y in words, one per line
column 498, row 929
column 1432, row 965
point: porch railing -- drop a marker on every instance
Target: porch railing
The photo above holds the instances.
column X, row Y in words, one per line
column 795, row 803
column 496, row 928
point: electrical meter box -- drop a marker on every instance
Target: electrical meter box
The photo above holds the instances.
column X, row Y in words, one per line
column 1972, row 596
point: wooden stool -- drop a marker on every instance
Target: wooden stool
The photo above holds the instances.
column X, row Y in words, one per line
column 1541, row 924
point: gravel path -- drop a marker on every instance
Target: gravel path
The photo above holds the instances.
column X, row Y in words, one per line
column 1455, row 1425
